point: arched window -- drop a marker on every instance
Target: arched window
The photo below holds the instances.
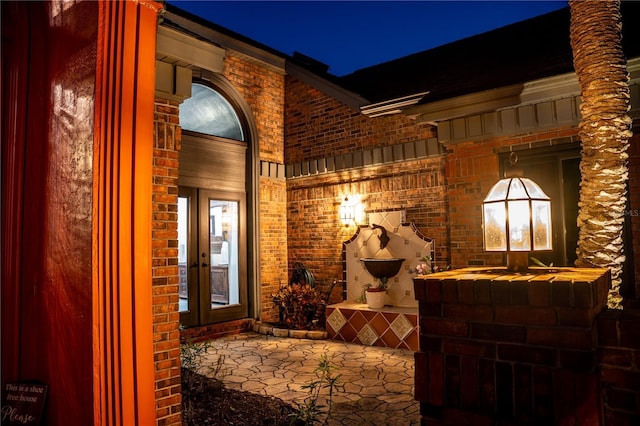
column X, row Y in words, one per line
column 208, row 112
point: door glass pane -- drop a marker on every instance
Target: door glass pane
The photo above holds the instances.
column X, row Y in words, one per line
column 183, row 255
column 223, row 244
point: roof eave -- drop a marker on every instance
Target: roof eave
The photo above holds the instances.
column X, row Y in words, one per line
column 392, row 106
column 495, row 99
column 320, row 83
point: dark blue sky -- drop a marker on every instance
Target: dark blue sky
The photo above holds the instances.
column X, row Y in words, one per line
column 349, row 35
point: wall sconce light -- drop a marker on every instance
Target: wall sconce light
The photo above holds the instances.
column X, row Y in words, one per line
column 347, row 211
column 516, row 218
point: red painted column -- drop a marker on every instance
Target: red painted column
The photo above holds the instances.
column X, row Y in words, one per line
column 77, row 113
column 123, row 152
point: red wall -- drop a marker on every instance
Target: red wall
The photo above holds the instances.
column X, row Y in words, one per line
column 77, row 114
column 46, row 193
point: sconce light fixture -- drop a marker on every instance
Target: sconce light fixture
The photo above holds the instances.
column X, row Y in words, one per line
column 516, row 218
column 347, row 211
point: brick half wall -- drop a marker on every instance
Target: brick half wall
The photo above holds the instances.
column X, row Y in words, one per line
column 512, row 348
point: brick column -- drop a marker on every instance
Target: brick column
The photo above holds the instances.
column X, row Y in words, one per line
column 517, row 349
column 166, row 317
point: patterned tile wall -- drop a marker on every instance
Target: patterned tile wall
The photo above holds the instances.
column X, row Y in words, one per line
column 393, row 328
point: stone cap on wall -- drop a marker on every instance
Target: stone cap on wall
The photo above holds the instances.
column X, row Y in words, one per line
column 562, row 287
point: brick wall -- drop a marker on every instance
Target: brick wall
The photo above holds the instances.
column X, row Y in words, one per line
column 618, row 357
column 319, row 126
column 273, row 243
column 166, row 318
column 448, row 210
column 263, row 90
column 501, row 348
column 315, row 233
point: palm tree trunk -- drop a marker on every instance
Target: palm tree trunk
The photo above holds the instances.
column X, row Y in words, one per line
column 605, row 129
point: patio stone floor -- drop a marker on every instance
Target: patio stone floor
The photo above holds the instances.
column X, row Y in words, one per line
column 378, row 381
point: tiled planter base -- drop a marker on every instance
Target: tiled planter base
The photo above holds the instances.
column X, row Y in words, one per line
column 392, row 327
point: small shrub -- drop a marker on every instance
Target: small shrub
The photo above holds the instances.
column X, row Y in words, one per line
column 310, row 410
column 300, row 306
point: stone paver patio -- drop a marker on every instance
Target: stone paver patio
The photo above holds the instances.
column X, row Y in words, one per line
column 378, row 382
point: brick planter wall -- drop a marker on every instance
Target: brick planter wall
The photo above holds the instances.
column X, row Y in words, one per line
column 500, row 348
column 618, row 357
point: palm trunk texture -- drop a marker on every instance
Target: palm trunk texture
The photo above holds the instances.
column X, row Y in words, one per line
column 605, row 129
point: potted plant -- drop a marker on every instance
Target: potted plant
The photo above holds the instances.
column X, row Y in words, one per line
column 375, row 296
column 300, row 304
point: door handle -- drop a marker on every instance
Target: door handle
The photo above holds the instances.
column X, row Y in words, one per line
column 195, row 265
column 204, row 264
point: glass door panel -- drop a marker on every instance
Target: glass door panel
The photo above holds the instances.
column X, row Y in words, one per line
column 223, row 294
column 183, row 252
column 223, row 243
column 188, row 256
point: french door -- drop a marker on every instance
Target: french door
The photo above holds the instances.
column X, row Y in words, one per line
column 212, row 255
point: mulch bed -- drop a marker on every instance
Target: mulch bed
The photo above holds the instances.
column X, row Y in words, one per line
column 207, row 402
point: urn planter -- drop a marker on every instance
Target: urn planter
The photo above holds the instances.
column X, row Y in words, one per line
column 375, row 297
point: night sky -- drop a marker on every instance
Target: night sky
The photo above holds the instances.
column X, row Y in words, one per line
column 349, row 35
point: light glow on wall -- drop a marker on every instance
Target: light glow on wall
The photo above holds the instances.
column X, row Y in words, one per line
column 351, row 210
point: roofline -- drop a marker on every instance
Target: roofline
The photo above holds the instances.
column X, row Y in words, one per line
column 324, row 85
column 563, row 85
column 202, row 29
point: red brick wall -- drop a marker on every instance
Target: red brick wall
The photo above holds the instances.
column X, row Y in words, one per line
column 618, row 357
column 443, row 199
column 315, row 233
column 263, row 90
column 516, row 349
column 166, row 318
column 273, row 243
column 319, row 126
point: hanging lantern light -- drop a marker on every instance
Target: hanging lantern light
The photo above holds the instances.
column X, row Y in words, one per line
column 516, row 218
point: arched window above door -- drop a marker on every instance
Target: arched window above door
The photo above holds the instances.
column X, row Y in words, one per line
column 208, row 112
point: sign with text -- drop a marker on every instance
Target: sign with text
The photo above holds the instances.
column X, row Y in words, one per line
column 23, row 403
